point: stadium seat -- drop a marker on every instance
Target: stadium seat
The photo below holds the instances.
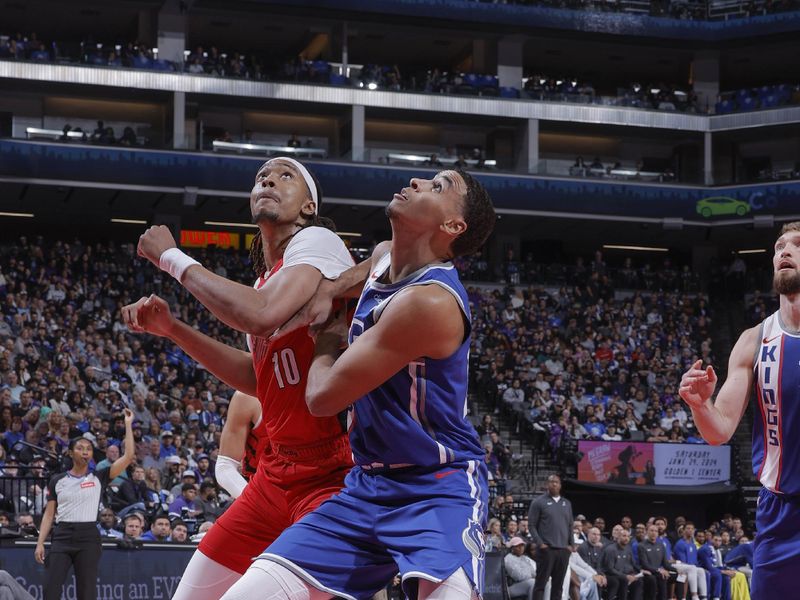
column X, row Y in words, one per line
column 471, row 79
column 725, row 107
column 747, row 104
column 488, row 81
column 509, row 92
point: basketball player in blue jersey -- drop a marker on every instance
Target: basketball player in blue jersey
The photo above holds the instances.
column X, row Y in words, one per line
column 767, row 359
column 416, row 500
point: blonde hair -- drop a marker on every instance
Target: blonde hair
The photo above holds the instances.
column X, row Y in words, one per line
column 787, row 227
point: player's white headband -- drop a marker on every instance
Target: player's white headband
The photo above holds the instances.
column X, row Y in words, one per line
column 312, row 187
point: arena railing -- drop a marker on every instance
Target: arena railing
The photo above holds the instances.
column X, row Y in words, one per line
column 23, row 494
column 250, row 148
column 39, row 133
column 419, row 160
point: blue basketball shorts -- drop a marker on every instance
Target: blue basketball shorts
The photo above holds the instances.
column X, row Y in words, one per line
column 776, row 551
column 418, row 523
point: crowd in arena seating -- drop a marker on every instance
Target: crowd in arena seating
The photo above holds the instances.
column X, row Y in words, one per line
column 215, row 62
column 580, row 361
column 698, row 10
column 102, row 135
column 68, row 368
column 567, row 362
column 722, row 550
column 655, row 96
column 616, row 170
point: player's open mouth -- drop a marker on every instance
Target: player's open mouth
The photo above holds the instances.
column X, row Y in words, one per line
column 400, row 197
column 785, row 264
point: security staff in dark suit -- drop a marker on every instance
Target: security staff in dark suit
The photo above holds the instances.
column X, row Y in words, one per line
column 550, row 523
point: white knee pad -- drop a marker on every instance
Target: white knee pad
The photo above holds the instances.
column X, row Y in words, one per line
column 456, row 587
column 204, row 579
column 267, row 580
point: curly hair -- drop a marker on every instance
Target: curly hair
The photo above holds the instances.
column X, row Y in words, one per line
column 478, row 214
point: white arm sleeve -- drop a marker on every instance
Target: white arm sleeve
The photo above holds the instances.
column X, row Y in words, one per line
column 228, row 476
column 321, row 248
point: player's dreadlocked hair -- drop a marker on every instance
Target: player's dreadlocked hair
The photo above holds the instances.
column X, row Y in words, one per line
column 257, row 248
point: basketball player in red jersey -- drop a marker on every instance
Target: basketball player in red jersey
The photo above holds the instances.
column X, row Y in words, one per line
column 244, row 439
column 308, row 457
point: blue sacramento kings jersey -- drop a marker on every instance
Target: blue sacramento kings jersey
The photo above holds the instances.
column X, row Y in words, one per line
column 776, row 462
column 418, row 416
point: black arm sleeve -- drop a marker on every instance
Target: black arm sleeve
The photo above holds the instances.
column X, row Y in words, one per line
column 51, row 486
column 104, row 476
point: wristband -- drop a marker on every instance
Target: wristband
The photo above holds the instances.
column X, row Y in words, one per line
column 175, row 262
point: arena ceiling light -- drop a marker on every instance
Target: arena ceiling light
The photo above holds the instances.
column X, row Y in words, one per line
column 130, row 221
column 753, row 251
column 16, row 214
column 634, row 248
column 228, row 224
column 251, row 226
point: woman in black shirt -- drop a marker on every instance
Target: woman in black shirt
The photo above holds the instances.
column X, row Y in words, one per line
column 73, row 501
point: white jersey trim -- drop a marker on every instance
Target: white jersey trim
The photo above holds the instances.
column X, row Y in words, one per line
column 475, row 492
column 768, row 387
column 384, row 264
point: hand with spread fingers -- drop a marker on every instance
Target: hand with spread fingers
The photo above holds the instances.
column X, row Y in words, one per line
column 149, row 314
column 698, row 384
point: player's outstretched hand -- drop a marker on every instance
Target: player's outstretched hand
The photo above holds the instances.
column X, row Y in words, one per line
column 697, row 384
column 150, row 314
column 153, row 243
column 315, row 313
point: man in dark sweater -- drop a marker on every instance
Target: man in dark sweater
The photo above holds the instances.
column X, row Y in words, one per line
column 134, row 490
column 624, row 580
column 550, row 523
column 592, row 550
column 653, row 560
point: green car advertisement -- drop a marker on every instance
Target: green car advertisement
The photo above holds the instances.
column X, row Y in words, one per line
column 722, row 205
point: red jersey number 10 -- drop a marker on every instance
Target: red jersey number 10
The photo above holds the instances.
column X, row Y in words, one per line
column 286, row 371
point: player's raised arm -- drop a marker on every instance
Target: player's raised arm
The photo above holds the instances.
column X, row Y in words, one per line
column 257, row 312
column 152, row 315
column 419, row 321
column 718, row 420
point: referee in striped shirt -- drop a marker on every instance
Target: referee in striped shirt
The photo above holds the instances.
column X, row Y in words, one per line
column 74, row 500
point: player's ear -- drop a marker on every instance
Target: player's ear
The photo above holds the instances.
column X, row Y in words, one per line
column 454, row 227
column 309, row 208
